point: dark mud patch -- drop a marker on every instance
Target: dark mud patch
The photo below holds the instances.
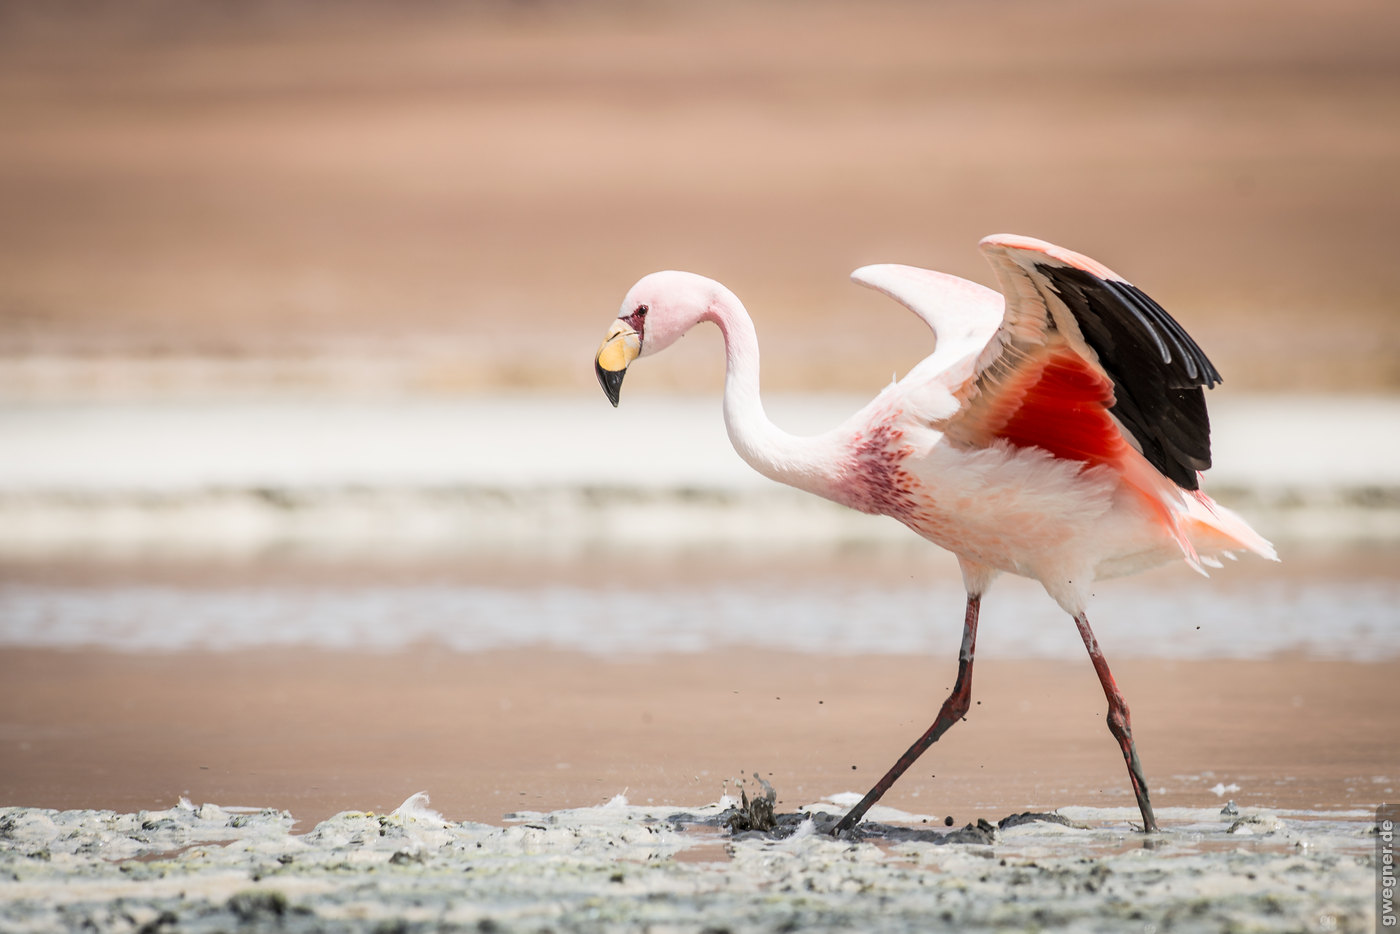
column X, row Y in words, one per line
column 756, row 818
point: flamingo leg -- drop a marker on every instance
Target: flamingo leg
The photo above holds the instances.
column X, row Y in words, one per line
column 953, row 710
column 1120, row 724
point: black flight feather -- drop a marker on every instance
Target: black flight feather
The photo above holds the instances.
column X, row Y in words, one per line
column 1157, row 370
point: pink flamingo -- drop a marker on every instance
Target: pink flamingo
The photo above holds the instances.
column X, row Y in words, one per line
column 1057, row 433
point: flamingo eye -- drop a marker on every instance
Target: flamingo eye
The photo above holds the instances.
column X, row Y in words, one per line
column 641, row 311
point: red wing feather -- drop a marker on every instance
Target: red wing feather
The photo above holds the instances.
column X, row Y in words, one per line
column 1058, row 403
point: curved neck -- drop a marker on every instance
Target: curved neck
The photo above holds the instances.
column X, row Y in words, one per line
column 808, row 463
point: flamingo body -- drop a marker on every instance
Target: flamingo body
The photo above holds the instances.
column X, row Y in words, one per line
column 1057, row 431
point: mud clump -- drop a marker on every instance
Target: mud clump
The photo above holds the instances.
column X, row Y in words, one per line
column 1031, row 817
column 753, row 814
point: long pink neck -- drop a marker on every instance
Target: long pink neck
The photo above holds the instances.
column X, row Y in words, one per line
column 808, row 463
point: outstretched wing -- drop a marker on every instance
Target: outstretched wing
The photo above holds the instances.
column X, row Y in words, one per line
column 1084, row 364
column 963, row 315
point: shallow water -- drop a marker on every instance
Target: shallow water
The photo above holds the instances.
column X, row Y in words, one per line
column 1348, row 611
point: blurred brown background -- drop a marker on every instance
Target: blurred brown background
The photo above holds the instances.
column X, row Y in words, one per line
column 447, row 201
column 459, row 194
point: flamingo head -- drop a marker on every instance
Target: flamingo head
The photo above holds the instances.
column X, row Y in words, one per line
column 656, row 312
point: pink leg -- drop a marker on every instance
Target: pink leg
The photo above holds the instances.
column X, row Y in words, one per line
column 953, row 710
column 1120, row 724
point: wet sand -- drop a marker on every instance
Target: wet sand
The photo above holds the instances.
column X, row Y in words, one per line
column 487, row 734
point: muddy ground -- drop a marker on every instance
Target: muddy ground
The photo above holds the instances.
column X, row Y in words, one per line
column 622, row 868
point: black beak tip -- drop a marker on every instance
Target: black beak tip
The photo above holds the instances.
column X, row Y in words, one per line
column 611, row 381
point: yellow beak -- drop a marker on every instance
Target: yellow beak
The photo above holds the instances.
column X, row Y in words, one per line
column 620, row 347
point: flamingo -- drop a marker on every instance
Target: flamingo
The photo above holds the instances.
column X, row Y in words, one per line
column 1058, row 431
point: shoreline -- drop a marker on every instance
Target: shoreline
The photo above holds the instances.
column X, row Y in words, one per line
column 425, row 477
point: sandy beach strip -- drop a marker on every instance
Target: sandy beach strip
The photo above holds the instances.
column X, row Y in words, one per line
column 486, row 734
